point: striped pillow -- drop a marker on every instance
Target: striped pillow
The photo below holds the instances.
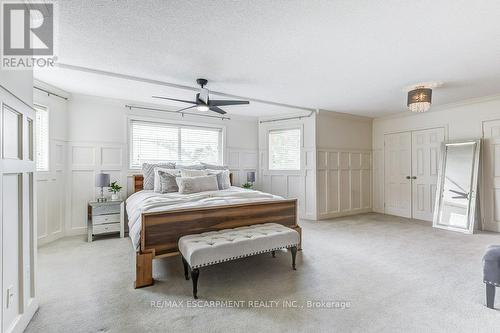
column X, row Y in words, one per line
column 148, row 171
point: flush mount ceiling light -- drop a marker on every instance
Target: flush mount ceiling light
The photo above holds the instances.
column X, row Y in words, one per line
column 420, row 97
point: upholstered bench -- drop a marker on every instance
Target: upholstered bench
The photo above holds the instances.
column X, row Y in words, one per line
column 491, row 273
column 210, row 248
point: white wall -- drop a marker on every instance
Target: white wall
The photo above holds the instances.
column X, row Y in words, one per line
column 51, row 201
column 97, row 142
column 344, row 172
column 461, row 121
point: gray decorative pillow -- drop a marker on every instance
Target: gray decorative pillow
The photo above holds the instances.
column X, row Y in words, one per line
column 223, row 180
column 190, row 167
column 148, row 171
column 189, row 185
column 166, row 182
column 214, row 167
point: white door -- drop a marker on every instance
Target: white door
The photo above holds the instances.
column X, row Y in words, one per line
column 398, row 174
column 491, row 178
column 18, row 243
column 426, row 147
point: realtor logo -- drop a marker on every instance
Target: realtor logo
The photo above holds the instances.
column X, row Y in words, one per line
column 27, row 35
column 28, row 29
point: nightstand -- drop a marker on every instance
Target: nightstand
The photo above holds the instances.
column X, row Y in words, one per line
column 105, row 217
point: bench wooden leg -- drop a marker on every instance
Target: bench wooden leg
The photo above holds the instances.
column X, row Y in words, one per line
column 194, row 275
column 184, row 262
column 299, row 230
column 143, row 269
column 293, row 249
column 490, row 296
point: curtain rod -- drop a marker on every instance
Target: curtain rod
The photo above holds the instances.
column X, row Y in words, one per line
column 288, row 118
column 130, row 107
column 50, row 92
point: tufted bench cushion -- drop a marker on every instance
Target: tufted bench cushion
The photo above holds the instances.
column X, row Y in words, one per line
column 210, row 248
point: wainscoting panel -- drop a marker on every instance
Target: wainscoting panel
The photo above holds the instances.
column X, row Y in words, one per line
column 293, row 185
column 85, row 161
column 343, row 182
column 240, row 162
column 51, row 199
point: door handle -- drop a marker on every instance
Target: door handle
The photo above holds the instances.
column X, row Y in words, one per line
column 414, row 177
column 408, row 177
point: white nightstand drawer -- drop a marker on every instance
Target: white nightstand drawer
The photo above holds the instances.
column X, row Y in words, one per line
column 110, row 218
column 105, row 228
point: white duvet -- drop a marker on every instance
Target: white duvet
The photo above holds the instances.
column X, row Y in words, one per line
column 149, row 201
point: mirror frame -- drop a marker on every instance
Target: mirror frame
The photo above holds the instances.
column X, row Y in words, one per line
column 471, row 211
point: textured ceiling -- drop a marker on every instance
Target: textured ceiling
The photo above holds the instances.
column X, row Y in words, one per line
column 346, row 56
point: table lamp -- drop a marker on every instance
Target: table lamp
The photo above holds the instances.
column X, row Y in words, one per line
column 102, row 180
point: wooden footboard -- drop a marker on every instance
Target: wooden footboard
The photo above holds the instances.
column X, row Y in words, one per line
column 161, row 231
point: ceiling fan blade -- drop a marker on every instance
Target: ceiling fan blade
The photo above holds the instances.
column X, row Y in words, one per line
column 218, row 110
column 174, row 99
column 221, row 102
column 189, row 107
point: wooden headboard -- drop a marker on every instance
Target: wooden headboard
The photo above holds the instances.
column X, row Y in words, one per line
column 139, row 182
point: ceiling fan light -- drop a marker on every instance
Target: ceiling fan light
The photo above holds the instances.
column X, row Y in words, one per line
column 419, row 99
column 202, row 108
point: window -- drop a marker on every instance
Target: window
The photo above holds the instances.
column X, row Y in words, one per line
column 284, row 149
column 42, row 138
column 163, row 142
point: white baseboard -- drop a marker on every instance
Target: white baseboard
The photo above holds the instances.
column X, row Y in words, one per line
column 23, row 320
column 495, row 227
column 347, row 213
column 48, row 239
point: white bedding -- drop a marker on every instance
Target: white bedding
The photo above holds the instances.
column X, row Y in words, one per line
column 149, row 201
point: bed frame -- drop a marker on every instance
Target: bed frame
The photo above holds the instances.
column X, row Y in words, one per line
column 161, row 230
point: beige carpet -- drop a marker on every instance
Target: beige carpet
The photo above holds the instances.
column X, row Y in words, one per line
column 378, row 273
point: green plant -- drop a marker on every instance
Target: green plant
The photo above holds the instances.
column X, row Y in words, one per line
column 247, row 185
column 114, row 187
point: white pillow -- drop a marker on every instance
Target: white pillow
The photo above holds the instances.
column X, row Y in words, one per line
column 173, row 172
column 192, row 173
column 189, row 185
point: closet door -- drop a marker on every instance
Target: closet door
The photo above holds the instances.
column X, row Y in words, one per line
column 398, row 174
column 426, row 147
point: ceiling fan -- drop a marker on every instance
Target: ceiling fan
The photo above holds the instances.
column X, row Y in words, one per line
column 203, row 102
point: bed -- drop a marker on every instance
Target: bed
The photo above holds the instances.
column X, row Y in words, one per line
column 157, row 221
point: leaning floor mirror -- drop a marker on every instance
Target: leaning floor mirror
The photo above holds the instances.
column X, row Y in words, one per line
column 457, row 188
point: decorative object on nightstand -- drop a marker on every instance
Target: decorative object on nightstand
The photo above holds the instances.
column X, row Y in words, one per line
column 114, row 188
column 250, row 180
column 105, row 218
column 102, row 181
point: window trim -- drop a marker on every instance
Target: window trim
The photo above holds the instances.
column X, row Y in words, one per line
column 49, row 164
column 168, row 121
column 300, row 127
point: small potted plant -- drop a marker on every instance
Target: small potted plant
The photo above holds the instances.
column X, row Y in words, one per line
column 114, row 188
column 247, row 185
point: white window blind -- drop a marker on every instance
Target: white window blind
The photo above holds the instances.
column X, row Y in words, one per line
column 42, row 138
column 162, row 142
column 284, row 149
